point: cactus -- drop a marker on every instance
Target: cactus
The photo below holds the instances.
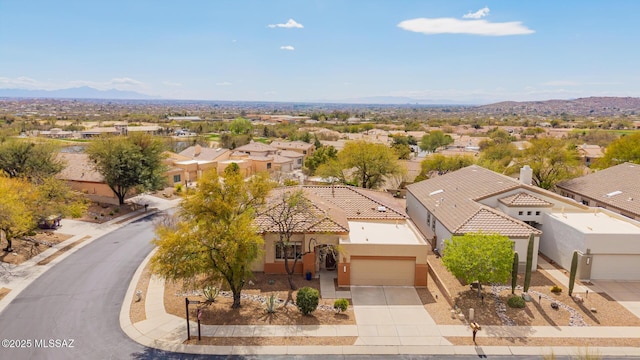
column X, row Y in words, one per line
column 527, row 271
column 271, row 304
column 574, row 270
column 514, row 272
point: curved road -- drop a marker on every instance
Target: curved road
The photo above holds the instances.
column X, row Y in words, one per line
column 78, row 301
column 72, row 310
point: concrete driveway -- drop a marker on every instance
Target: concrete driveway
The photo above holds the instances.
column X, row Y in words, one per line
column 627, row 293
column 393, row 315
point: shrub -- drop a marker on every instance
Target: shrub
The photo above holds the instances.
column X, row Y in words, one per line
column 307, row 300
column 210, row 293
column 272, row 303
column 341, row 305
column 556, row 289
column 516, row 302
column 178, row 188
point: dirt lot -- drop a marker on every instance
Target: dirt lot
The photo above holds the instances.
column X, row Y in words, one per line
column 536, row 312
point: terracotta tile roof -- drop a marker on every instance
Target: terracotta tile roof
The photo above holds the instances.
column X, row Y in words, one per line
column 524, row 199
column 320, row 218
column 617, row 186
column 332, row 209
column 488, row 220
column 78, row 167
column 359, row 203
column 451, row 197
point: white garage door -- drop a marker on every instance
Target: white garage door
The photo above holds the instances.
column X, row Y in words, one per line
column 382, row 272
column 616, row 267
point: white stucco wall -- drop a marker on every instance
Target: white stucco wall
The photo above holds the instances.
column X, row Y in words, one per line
column 418, row 214
column 559, row 240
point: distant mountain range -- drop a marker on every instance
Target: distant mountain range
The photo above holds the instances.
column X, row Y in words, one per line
column 399, row 100
column 83, row 92
column 601, row 106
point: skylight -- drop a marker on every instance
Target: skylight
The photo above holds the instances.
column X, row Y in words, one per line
column 614, row 193
column 436, row 192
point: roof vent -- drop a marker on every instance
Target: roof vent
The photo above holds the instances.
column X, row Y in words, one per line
column 382, row 208
column 436, row 192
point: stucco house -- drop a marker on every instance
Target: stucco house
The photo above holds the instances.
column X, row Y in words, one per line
column 616, row 188
column 371, row 239
column 81, row 176
column 301, row 147
column 194, row 160
column 476, row 199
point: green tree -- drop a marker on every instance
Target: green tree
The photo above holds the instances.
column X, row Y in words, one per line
column 240, row 126
column 486, row 258
column 440, row 164
column 214, row 237
column 364, row 164
column 497, row 156
column 319, row 157
column 625, row 149
column 551, row 160
column 434, row 140
column 401, row 146
column 129, row 162
column 34, row 161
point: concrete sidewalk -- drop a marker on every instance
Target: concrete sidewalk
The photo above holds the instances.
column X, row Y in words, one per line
column 396, row 327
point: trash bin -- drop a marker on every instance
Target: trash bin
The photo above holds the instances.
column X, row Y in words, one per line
column 308, row 275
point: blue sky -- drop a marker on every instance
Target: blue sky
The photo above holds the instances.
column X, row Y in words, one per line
column 453, row 51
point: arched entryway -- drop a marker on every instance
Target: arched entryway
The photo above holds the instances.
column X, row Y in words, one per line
column 326, row 256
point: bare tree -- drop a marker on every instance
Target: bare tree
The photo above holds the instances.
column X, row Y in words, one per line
column 289, row 214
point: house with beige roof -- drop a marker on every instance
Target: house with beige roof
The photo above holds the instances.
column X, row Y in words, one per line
column 475, row 199
column 80, row 174
column 301, row 147
column 589, row 153
column 616, row 188
column 373, row 241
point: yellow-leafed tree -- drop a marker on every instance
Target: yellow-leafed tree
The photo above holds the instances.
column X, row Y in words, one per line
column 17, row 216
column 213, row 237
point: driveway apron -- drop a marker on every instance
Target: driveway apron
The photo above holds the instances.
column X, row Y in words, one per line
column 393, row 315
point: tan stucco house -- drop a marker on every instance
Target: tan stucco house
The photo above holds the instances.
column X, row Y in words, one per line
column 81, row 176
column 363, row 235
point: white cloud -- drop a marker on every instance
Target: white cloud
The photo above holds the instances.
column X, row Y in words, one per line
column 456, row 26
column 287, row 47
column 123, row 83
column 171, row 83
column 224, row 83
column 478, row 14
column 288, row 25
column 22, row 82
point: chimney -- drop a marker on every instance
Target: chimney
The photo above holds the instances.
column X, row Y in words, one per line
column 197, row 150
column 526, row 175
